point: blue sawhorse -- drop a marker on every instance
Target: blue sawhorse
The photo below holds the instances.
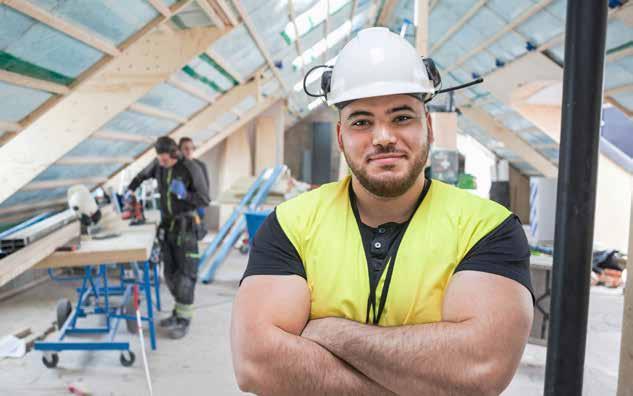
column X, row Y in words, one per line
column 94, row 298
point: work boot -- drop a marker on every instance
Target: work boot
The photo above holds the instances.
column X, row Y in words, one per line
column 180, row 329
column 169, row 321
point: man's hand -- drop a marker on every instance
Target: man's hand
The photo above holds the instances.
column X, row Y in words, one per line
column 322, row 331
column 178, row 189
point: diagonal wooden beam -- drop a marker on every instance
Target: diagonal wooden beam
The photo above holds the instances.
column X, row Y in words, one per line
column 293, row 19
column 122, row 136
column 48, row 184
column 95, row 101
column 7, row 126
column 510, row 140
column 70, row 29
column 260, row 44
column 620, row 106
column 386, row 11
column 227, row 11
column 210, row 12
column 94, row 160
column 224, row 64
column 156, row 112
column 507, row 28
column 33, row 83
column 190, row 89
column 455, row 28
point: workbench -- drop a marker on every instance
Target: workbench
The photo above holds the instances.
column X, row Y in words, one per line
column 130, row 251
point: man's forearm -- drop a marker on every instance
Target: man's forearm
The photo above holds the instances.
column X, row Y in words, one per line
column 405, row 359
column 292, row 365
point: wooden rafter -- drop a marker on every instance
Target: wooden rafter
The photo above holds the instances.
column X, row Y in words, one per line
column 79, row 33
column 619, row 89
column 33, row 83
column 94, row 160
column 210, row 12
column 386, row 11
column 457, row 26
column 226, row 10
column 190, row 89
column 260, row 44
column 7, row 126
column 298, row 47
column 156, row 112
column 122, row 136
column 48, row 184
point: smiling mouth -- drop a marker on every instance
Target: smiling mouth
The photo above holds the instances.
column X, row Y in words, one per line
column 385, row 158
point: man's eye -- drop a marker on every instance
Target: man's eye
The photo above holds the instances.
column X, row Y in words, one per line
column 360, row 123
column 402, row 118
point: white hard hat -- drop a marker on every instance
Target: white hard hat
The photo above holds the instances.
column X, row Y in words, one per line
column 378, row 62
column 81, row 201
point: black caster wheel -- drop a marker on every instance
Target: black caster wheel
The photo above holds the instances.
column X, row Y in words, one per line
column 64, row 308
column 52, row 363
column 127, row 358
column 128, row 309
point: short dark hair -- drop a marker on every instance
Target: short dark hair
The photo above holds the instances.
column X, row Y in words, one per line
column 166, row 145
column 184, row 140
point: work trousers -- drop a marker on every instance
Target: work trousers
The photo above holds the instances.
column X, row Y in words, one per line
column 179, row 251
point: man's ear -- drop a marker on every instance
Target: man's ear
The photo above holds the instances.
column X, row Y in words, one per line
column 338, row 136
column 429, row 127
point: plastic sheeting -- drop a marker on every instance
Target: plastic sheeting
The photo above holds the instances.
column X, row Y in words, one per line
column 618, row 73
column 18, row 102
column 113, row 20
column 77, row 172
column 618, row 33
column 135, row 123
column 169, row 98
column 46, row 47
column 196, row 83
column 541, row 27
column 239, row 50
column 28, row 197
column 509, row 10
column 192, row 16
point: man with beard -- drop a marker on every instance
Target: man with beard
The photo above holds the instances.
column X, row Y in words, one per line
column 385, row 282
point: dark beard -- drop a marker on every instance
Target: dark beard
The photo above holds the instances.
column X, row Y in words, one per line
column 392, row 187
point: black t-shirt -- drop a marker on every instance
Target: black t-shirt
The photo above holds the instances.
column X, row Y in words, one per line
column 504, row 251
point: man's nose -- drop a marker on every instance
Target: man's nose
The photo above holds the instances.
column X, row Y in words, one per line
column 383, row 136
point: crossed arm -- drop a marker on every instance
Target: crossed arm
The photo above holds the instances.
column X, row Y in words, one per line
column 474, row 350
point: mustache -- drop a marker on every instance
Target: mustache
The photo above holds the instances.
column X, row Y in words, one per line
column 385, row 150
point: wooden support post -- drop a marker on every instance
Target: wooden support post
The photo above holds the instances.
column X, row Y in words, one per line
column 625, row 376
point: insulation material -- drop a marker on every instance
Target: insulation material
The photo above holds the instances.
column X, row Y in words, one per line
column 558, row 8
column 17, row 102
column 618, row 34
column 506, row 154
column 558, row 53
column 239, row 50
column 196, row 83
column 207, row 71
column 509, row 10
column 535, row 137
column 28, row 197
column 551, row 153
column 77, row 172
column 53, row 50
column 509, row 46
column 526, row 168
column 483, row 25
column 115, row 21
column 13, row 25
column 224, row 121
column 107, row 148
column 482, row 63
column 625, row 99
column 245, row 105
column 269, row 21
column 616, row 74
column 541, row 27
column 448, row 54
column 135, row 123
column 192, row 16
column 270, row 88
column 514, row 121
column 169, row 98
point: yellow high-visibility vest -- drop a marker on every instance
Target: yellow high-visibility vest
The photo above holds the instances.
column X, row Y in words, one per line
column 322, row 227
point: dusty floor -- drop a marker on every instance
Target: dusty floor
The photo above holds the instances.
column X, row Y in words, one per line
column 201, row 363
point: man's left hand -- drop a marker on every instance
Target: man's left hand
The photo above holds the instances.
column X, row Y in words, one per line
column 323, row 331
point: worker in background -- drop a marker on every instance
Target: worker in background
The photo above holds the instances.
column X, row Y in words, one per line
column 186, row 146
column 385, row 282
column 183, row 189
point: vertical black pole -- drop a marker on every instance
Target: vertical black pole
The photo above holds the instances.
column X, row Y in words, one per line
column 577, row 171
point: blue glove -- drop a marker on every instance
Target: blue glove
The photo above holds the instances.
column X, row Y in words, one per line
column 178, row 188
column 201, row 212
